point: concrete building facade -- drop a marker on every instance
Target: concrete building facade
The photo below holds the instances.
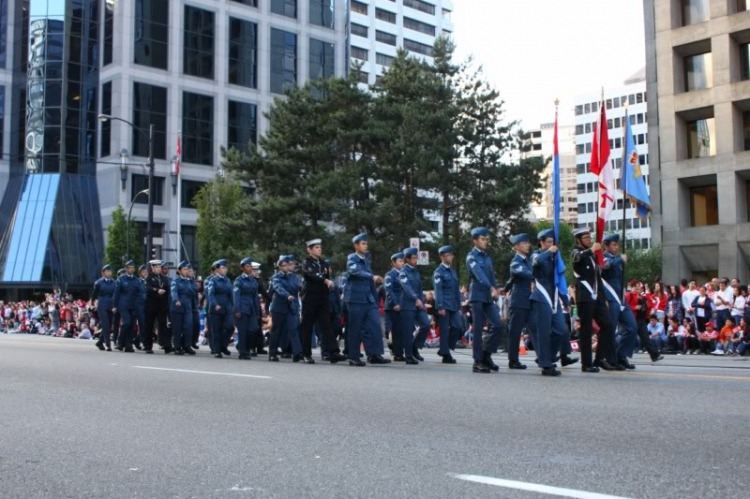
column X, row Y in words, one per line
column 698, row 74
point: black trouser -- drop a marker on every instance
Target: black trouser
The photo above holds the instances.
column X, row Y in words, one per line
column 701, row 323
column 692, row 343
column 596, row 310
column 317, row 312
column 154, row 316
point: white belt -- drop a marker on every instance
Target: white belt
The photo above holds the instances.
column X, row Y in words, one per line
column 612, row 291
column 586, row 285
column 547, row 297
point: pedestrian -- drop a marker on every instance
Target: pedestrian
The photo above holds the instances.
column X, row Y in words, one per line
column 483, row 294
column 413, row 309
column 184, row 300
column 246, row 308
column 103, row 299
column 521, row 277
column 393, row 299
column 702, row 307
column 221, row 304
column 125, row 302
column 447, row 304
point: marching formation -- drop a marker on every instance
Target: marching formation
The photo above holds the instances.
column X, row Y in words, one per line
column 166, row 310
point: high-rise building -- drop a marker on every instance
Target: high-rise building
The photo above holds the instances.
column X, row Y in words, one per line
column 698, row 68
column 633, row 92
column 204, row 68
column 380, row 27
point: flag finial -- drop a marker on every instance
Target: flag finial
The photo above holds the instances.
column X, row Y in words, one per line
column 557, row 102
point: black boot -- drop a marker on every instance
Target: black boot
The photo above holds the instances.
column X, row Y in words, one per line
column 415, row 353
column 480, row 367
column 100, row 345
column 488, row 362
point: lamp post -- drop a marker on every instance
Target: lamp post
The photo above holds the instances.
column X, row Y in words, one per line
column 124, row 158
column 151, row 165
column 130, row 212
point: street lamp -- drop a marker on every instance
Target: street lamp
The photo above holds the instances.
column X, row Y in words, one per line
column 124, row 158
column 150, row 136
column 130, row 212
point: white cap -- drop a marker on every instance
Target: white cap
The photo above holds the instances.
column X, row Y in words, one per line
column 256, row 265
column 313, row 242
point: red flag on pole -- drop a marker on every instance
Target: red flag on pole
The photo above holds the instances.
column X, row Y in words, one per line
column 178, row 153
column 602, row 166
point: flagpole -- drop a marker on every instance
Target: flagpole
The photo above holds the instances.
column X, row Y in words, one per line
column 624, row 193
column 599, row 156
column 179, row 198
column 555, row 191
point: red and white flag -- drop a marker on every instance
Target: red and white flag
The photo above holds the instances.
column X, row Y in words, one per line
column 602, row 166
column 178, row 155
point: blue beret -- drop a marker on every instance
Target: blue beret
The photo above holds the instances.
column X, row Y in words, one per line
column 397, row 256
column 130, row 263
column 545, row 234
column 327, row 262
column 282, row 260
column 445, row 249
column 219, row 263
column 106, row 267
column 611, row 238
column 479, row 231
column 519, row 238
column 581, row 232
column 359, row 238
column 184, row 264
column 121, row 272
column 142, row 267
column 246, row 261
column 411, row 252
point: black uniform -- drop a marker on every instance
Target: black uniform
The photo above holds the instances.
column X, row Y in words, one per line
column 157, row 309
column 316, row 308
column 592, row 305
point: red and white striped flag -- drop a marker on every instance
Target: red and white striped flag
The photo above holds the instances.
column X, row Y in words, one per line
column 602, row 166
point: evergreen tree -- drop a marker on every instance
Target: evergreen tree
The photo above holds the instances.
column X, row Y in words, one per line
column 115, row 253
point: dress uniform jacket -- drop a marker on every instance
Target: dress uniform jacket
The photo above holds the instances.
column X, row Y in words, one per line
column 126, row 292
column 588, row 275
column 522, row 275
column 360, row 287
column 447, row 292
column 479, row 265
column 104, row 292
column 411, row 282
column 284, row 285
column 221, row 293
column 155, row 283
column 246, row 299
column 393, row 290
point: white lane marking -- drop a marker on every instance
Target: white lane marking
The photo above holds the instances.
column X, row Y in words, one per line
column 533, row 487
column 203, row 372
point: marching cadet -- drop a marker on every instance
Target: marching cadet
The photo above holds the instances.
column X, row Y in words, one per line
column 165, row 333
column 157, row 306
column 447, row 304
column 360, row 295
column 546, row 321
column 483, row 295
column 104, row 291
column 621, row 314
column 393, row 299
column 220, row 302
column 316, row 309
column 285, row 310
column 116, row 318
column 246, row 307
column 521, row 277
column 184, row 300
column 257, row 341
column 413, row 310
column 141, row 306
column 125, row 300
column 592, row 305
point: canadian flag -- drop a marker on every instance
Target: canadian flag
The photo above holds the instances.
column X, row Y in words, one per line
column 602, row 166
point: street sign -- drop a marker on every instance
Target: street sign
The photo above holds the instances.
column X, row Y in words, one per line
column 424, row 258
column 414, row 242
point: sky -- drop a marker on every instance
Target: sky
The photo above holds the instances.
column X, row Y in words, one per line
column 536, row 51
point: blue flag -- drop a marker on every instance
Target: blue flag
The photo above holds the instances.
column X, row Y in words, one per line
column 632, row 183
column 560, row 281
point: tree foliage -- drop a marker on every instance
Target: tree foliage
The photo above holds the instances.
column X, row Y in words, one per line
column 116, row 253
column 644, row 264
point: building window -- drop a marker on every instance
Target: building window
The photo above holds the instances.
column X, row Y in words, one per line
column 242, row 123
column 150, row 107
column 283, row 60
column 699, row 72
column 249, row 3
column 694, row 11
column 151, row 33
column 197, row 128
column 745, row 61
column 321, row 13
column 109, row 30
column 424, row 7
column 704, row 206
column 106, row 126
column 359, row 30
column 190, row 189
column 359, row 7
column 701, row 138
column 746, row 129
column 384, row 15
column 384, row 60
column 419, row 48
column 742, row 5
column 384, row 37
column 189, row 234
column 243, row 53
column 364, row 77
column 579, row 110
column 199, row 43
column 140, row 183
column 360, row 53
column 286, row 8
column 415, row 25
column 322, row 55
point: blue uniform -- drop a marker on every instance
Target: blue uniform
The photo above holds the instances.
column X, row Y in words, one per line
column 285, row 313
column 182, row 291
column 447, row 298
column 619, row 313
column 247, row 305
column 411, row 316
column 393, row 297
column 220, row 293
column 104, row 292
column 522, row 275
column 483, row 307
column 547, row 322
column 363, row 321
column 125, row 299
column 140, row 311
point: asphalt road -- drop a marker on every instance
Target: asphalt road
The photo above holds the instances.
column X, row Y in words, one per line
column 76, row 422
